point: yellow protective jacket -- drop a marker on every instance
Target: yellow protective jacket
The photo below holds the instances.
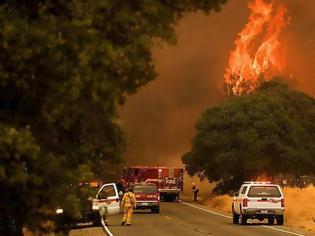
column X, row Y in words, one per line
column 128, row 200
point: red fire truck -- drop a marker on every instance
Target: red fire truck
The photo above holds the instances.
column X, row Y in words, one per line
column 168, row 180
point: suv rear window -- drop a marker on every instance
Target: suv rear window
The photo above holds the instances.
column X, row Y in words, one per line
column 264, row 191
column 147, row 189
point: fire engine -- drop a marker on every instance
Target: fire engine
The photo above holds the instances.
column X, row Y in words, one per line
column 168, row 180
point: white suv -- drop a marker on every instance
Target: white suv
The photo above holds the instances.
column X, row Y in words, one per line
column 258, row 200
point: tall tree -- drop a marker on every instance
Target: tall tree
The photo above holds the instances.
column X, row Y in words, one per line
column 64, row 68
column 268, row 132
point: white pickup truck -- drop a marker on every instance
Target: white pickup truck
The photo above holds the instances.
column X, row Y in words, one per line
column 258, row 200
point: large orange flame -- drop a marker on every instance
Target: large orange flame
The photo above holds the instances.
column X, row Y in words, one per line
column 258, row 54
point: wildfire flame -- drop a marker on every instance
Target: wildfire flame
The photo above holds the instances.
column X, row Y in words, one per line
column 258, row 54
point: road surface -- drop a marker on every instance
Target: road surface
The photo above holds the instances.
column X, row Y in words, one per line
column 188, row 219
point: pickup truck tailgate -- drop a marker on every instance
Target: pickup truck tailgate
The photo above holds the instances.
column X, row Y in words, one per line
column 264, row 203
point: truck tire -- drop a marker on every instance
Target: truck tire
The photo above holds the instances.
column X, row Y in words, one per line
column 97, row 220
column 243, row 219
column 170, row 198
column 271, row 220
column 280, row 220
column 235, row 217
column 155, row 210
column 97, row 223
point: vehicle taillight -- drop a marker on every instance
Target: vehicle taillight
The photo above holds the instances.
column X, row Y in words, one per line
column 245, row 202
column 282, row 202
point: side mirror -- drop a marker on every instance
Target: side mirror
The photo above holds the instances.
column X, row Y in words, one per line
column 233, row 194
column 120, row 193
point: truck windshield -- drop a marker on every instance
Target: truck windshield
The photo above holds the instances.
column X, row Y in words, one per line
column 148, row 189
column 264, row 191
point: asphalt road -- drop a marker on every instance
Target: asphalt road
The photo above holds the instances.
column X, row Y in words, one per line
column 188, row 219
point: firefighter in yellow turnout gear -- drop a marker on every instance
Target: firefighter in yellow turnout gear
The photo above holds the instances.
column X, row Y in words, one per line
column 127, row 204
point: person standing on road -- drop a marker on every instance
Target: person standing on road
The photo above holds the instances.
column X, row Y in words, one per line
column 195, row 190
column 127, row 204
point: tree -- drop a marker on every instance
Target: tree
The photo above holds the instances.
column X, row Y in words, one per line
column 268, row 132
column 64, row 68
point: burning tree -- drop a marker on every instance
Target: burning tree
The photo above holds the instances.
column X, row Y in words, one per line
column 258, row 53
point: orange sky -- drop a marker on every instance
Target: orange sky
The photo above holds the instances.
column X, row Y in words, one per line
column 159, row 120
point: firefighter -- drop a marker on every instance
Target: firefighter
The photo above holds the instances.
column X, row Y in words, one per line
column 195, row 190
column 127, row 204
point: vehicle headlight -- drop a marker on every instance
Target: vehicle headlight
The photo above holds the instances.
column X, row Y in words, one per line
column 95, row 207
column 59, row 210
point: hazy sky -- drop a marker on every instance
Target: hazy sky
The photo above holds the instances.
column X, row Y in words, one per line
column 159, row 120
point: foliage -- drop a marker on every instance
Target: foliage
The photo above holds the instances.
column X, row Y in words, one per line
column 64, row 68
column 26, row 176
column 268, row 132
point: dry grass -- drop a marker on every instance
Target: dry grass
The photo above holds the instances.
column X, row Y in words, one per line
column 300, row 207
column 204, row 186
column 223, row 202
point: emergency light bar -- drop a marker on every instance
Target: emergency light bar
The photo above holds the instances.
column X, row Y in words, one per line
column 254, row 182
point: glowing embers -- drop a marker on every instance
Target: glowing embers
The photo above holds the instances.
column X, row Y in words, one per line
column 258, row 53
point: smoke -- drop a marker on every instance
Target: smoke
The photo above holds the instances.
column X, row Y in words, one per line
column 301, row 44
column 159, row 120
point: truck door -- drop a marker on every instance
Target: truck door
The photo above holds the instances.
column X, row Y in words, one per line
column 108, row 199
